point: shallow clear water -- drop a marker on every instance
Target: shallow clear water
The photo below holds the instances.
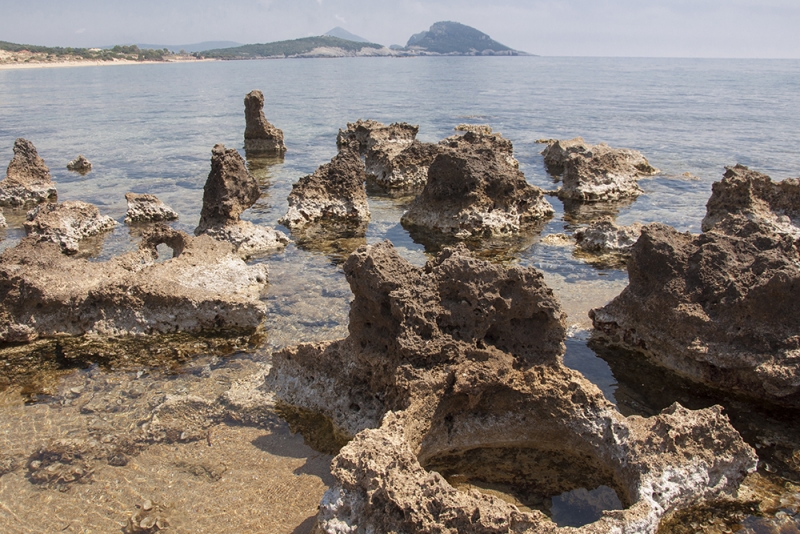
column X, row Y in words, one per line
column 150, row 128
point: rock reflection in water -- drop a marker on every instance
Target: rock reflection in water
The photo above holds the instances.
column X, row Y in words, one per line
column 578, row 212
column 581, row 506
column 261, row 167
column 336, row 239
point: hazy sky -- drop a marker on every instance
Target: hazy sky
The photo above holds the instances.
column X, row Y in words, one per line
column 675, row 28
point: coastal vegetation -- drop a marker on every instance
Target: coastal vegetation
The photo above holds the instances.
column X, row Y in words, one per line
column 294, row 47
column 26, row 53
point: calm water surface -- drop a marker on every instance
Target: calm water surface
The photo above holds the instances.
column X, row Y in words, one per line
column 150, row 128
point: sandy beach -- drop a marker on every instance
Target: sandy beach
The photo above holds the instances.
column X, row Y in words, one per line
column 31, row 61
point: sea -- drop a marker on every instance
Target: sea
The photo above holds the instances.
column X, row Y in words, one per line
column 150, row 128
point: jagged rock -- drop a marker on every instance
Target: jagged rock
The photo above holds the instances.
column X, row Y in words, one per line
column 144, row 208
column 720, row 308
column 603, row 237
column 80, row 165
column 27, row 178
column 368, row 133
column 229, row 190
column 335, row 191
column 455, row 370
column 755, row 196
column 484, row 129
column 593, row 173
column 397, row 165
column 205, row 287
column 475, row 188
column 67, row 223
column 259, row 134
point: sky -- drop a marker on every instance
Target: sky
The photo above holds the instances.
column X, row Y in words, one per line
column 641, row 28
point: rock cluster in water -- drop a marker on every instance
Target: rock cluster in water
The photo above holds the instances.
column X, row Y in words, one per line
column 592, row 173
column 67, row 223
column 475, row 188
column 455, row 370
column 229, row 191
column 720, row 307
column 27, row 178
column 400, row 165
column 334, row 192
column 146, row 208
column 369, row 133
column 80, row 165
column 259, row 135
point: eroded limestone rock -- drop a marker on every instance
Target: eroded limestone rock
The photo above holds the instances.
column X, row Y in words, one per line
column 335, row 191
column 145, row 208
column 205, row 287
column 67, row 223
column 593, row 173
column 484, row 129
column 606, row 240
column 454, row 371
column 720, row 307
column 400, row 166
column 368, row 133
column 259, row 135
column 755, row 196
column 80, row 165
column 3, row 223
column 229, row 191
column 27, row 178
column 475, row 188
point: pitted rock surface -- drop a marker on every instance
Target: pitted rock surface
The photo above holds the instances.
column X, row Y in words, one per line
column 3, row 223
column 475, row 189
column 145, row 208
column 755, row 196
column 229, row 191
column 456, row 369
column 204, row 288
column 335, row 191
column 720, row 308
column 80, row 165
column 67, row 223
column 368, row 133
column 27, row 178
column 259, row 134
column 400, row 166
column 605, row 237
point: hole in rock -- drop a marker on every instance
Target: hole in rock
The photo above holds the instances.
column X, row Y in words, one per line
column 554, row 482
column 164, row 253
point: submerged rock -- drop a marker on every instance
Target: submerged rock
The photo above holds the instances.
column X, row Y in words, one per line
column 27, row 178
column 229, row 191
column 720, row 308
column 475, row 188
column 334, row 192
column 593, row 173
column 603, row 238
column 67, row 223
column 80, row 165
column 259, row 134
column 368, row 133
column 454, row 372
column 205, row 287
column 755, row 196
column 401, row 166
column 144, row 208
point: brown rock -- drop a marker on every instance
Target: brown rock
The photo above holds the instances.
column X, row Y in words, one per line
column 475, row 188
column 144, row 208
column 606, row 241
column 400, row 166
column 3, row 223
column 368, row 133
column 67, row 223
column 755, row 196
column 80, row 165
column 27, row 178
column 335, row 191
column 719, row 308
column 259, row 135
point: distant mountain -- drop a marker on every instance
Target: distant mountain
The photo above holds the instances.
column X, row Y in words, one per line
column 196, row 47
column 341, row 33
column 322, row 46
column 453, row 38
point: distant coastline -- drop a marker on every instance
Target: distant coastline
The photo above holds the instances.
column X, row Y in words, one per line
column 94, row 63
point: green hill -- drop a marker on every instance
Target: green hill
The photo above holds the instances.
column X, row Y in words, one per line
column 457, row 39
column 293, row 47
column 117, row 52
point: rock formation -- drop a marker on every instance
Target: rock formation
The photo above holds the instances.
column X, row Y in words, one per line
column 401, row 166
column 755, row 196
column 67, row 223
column 593, row 173
column 334, row 192
column 3, row 223
column 720, row 307
column 229, row 190
column 475, row 188
column 259, row 135
column 144, row 208
column 80, row 165
column 27, row 178
column 368, row 133
column 205, row 287
column 603, row 238
column 454, row 371
column 484, row 129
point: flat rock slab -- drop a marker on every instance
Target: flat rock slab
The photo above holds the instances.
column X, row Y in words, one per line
column 67, row 223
